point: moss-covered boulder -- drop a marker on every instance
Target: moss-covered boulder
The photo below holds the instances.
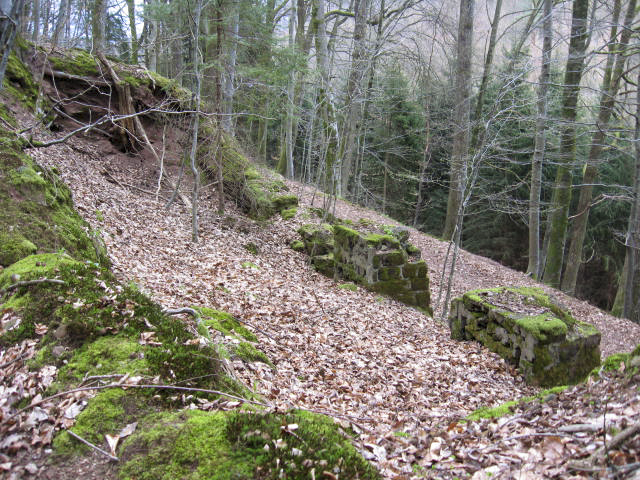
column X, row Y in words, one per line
column 379, row 261
column 529, row 330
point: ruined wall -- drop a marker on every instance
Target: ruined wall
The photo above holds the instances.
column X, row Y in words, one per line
column 383, row 263
column 526, row 328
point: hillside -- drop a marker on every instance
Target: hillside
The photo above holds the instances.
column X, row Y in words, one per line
column 384, row 369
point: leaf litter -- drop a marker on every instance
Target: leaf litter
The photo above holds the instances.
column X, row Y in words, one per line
column 378, row 366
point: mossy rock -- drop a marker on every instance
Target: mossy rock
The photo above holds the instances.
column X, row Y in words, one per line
column 318, row 239
column 195, row 445
column 297, row 245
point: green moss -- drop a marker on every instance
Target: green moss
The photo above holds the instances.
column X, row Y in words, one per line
column 251, row 248
column 248, row 264
column 198, row 445
column 391, row 287
column 324, row 264
column 507, row 407
column 225, row 323
column 348, row 286
column 283, row 202
column 378, row 240
column 289, row 213
column 106, row 355
column 36, row 207
column 611, row 364
column 543, row 327
column 107, row 413
column 297, row 245
column 19, row 82
column 75, row 62
column 45, row 265
column 249, row 353
column 13, row 247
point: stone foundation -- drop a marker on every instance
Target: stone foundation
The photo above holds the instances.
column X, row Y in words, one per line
column 383, row 263
column 529, row 330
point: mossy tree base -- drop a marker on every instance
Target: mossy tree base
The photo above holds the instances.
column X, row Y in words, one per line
column 526, row 328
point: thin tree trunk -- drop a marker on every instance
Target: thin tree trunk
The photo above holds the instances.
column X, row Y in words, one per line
column 460, row 125
column 609, row 90
column 354, row 86
column 195, row 35
column 488, row 63
column 230, row 77
column 329, row 126
column 36, row 22
column 98, row 20
column 562, row 186
column 629, row 289
column 131, row 10
column 218, row 149
column 533, row 268
column 61, row 20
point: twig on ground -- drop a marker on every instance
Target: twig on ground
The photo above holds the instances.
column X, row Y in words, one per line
column 26, row 283
column 17, row 359
column 96, row 448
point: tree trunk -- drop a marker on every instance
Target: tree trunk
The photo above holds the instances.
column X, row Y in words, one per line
column 9, row 26
column 353, row 118
column 195, row 35
column 218, row 149
column 627, row 303
column 488, row 63
column 60, row 21
column 131, row 10
column 610, row 85
column 230, row 77
column 462, row 93
column 36, row 22
column 533, row 268
column 329, row 127
column 98, row 20
column 562, row 186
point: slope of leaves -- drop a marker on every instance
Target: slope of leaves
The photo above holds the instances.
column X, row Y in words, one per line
column 386, row 369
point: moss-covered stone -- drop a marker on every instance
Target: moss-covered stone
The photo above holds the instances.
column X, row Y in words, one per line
column 374, row 260
column 526, row 328
column 348, row 286
column 324, row 264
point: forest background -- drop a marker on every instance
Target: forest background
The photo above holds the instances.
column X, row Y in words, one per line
column 509, row 127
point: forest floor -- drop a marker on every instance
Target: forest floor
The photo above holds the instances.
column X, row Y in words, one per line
column 390, row 371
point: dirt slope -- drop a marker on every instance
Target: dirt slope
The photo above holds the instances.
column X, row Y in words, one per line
column 386, row 368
